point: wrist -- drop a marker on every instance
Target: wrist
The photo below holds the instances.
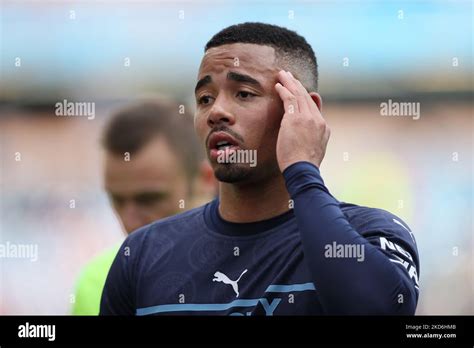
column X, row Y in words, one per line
column 285, row 165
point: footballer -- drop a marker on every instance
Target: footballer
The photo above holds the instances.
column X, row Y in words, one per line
column 274, row 241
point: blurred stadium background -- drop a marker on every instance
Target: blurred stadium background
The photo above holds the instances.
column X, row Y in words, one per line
column 421, row 170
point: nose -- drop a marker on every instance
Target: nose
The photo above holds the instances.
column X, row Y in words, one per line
column 220, row 113
column 131, row 217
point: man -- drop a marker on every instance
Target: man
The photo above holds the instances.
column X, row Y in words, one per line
column 149, row 175
column 275, row 242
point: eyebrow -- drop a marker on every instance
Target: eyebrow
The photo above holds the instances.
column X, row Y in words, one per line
column 202, row 82
column 242, row 78
column 231, row 75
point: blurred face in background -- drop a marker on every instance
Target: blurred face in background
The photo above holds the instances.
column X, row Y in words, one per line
column 148, row 187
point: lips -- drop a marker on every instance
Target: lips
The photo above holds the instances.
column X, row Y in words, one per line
column 218, row 140
column 221, row 141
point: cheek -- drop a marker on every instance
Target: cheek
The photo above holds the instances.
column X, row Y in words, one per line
column 263, row 132
column 270, row 126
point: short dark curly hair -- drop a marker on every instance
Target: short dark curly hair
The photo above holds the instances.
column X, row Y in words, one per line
column 291, row 49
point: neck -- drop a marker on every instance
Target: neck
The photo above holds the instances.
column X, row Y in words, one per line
column 253, row 202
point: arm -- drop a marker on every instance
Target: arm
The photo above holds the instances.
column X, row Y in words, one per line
column 380, row 284
column 377, row 284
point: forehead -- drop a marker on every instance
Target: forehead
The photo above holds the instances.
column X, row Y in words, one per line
column 253, row 58
column 155, row 165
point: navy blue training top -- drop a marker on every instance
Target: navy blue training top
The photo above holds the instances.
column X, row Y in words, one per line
column 322, row 257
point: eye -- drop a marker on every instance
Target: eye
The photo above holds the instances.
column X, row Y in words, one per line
column 245, row 95
column 150, row 198
column 204, row 100
column 116, row 199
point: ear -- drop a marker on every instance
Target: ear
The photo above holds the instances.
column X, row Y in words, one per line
column 317, row 100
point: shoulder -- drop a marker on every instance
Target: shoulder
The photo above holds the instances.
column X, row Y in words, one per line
column 91, row 282
column 365, row 219
column 380, row 226
column 387, row 232
column 169, row 227
column 98, row 267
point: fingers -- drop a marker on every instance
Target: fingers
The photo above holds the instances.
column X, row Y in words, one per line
column 295, row 87
column 309, row 100
column 290, row 102
column 289, row 82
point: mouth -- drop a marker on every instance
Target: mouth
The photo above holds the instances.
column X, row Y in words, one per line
column 221, row 142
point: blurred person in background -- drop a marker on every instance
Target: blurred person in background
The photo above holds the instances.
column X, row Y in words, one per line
column 153, row 169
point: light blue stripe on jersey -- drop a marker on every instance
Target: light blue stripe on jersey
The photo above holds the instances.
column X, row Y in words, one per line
column 291, row 288
column 183, row 307
column 192, row 307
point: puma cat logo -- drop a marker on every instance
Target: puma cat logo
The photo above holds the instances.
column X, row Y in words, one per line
column 221, row 277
